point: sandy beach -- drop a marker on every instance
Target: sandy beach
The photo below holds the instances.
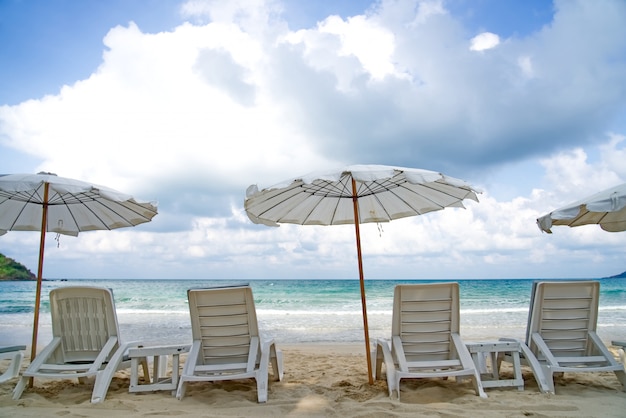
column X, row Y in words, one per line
column 324, row 380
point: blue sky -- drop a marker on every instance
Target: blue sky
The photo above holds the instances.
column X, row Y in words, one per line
column 189, row 102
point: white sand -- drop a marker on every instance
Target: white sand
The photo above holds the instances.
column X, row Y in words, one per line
column 324, row 381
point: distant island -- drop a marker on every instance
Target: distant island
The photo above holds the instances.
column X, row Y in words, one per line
column 12, row 270
column 619, row 276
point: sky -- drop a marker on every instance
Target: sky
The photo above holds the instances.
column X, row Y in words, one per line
column 187, row 103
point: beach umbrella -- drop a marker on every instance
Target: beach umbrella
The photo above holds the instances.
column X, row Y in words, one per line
column 354, row 195
column 606, row 208
column 48, row 203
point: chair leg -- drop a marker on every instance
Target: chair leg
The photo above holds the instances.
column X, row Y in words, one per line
column 545, row 385
column 104, row 376
column 146, row 370
column 376, row 364
column 549, row 376
column 276, row 358
column 396, row 386
column 19, row 388
column 381, row 355
column 180, row 392
column 101, row 385
column 261, row 386
column 478, row 386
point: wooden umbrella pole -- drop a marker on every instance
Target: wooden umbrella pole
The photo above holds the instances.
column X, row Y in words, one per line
column 42, row 243
column 355, row 204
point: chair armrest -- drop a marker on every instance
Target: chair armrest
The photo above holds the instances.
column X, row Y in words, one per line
column 275, row 357
column 532, row 361
column 398, row 351
column 255, row 346
column 383, row 349
column 382, row 352
column 192, row 358
column 13, row 348
column 602, row 348
column 104, row 354
column 42, row 357
column 536, row 339
column 461, row 349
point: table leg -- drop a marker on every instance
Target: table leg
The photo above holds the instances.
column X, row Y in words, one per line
column 494, row 365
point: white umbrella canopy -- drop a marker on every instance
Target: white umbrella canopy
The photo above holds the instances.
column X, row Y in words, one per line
column 606, row 208
column 384, row 193
column 46, row 202
column 367, row 193
column 73, row 206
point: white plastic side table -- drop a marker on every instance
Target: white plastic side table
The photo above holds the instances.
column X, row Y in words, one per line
column 479, row 352
column 159, row 358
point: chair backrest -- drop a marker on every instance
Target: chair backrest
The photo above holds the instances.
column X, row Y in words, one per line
column 224, row 320
column 563, row 313
column 424, row 317
column 84, row 318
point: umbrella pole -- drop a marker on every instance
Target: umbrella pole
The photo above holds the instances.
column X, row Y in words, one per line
column 368, row 354
column 42, row 242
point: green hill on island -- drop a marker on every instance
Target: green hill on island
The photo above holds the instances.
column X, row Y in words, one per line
column 12, row 270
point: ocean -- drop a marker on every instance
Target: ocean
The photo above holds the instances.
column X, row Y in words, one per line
column 297, row 311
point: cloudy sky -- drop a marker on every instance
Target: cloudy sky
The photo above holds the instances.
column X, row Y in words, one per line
column 190, row 102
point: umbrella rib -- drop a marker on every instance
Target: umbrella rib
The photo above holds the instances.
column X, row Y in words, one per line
column 344, row 192
column 304, row 220
column 24, row 201
column 127, row 204
column 582, row 211
column 430, row 200
column 324, row 188
column 389, row 189
column 326, row 184
column 81, row 203
column 374, row 195
column 92, row 198
column 281, row 197
column 604, row 215
column 399, row 185
column 96, row 215
column 425, row 185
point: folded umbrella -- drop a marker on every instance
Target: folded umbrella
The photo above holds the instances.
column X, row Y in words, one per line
column 606, row 208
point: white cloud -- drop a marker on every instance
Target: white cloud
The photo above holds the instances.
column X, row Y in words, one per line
column 370, row 43
column 484, row 41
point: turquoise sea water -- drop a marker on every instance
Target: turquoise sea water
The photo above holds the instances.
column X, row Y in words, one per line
column 294, row 311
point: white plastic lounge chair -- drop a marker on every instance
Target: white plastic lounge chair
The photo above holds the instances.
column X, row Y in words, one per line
column 85, row 341
column 15, row 356
column 226, row 342
column 561, row 332
column 425, row 340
